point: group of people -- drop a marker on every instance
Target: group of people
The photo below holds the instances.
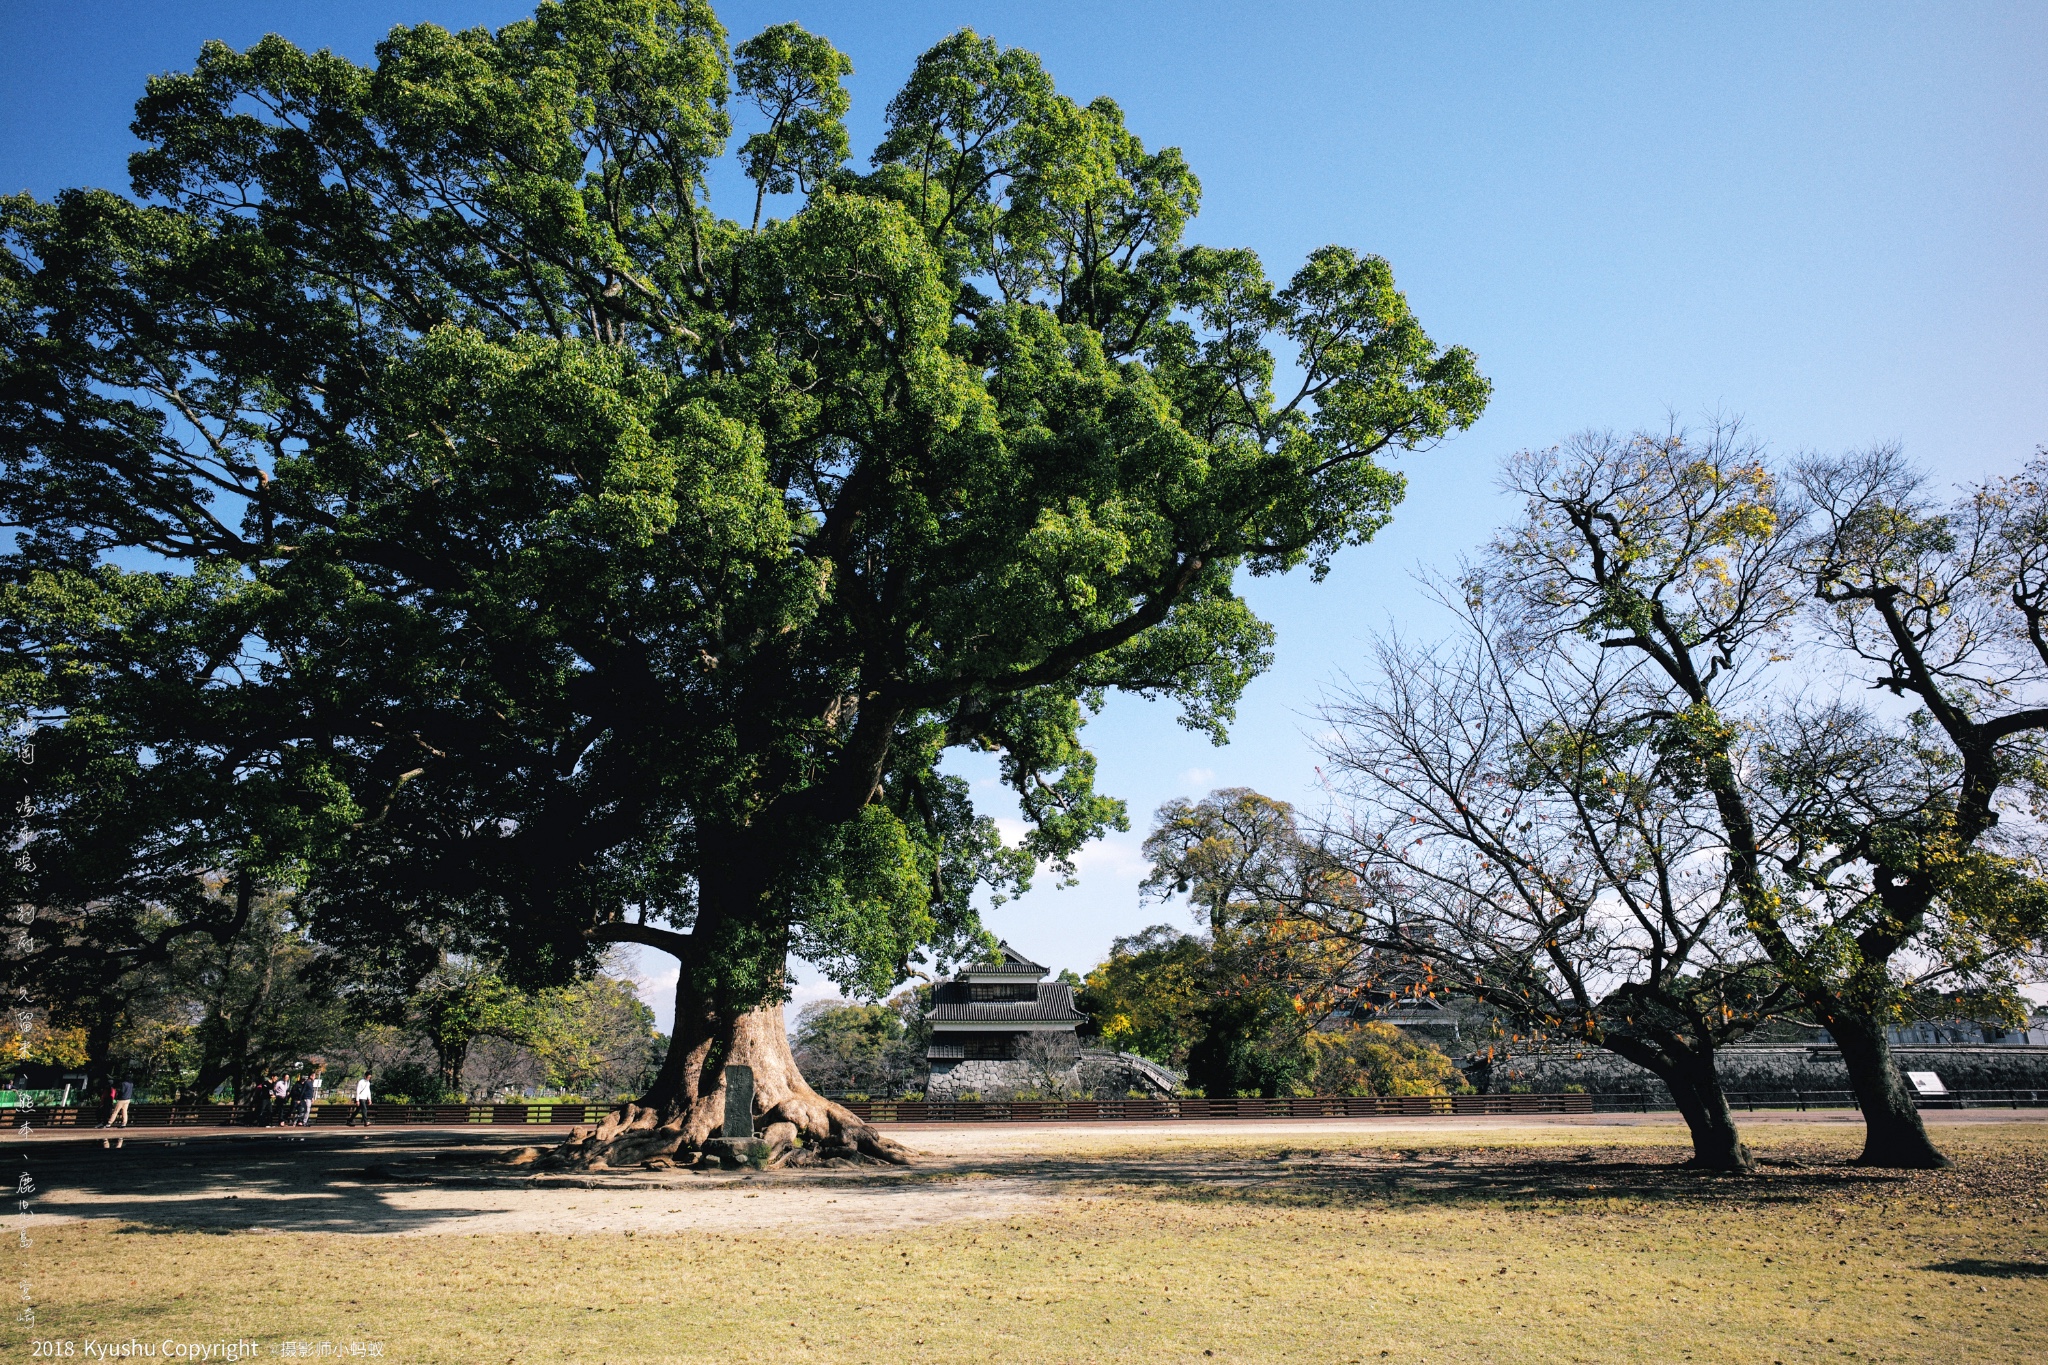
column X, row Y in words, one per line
column 286, row 1102
column 289, row 1102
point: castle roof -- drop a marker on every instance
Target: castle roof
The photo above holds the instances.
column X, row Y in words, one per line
column 1007, row 962
column 1053, row 1004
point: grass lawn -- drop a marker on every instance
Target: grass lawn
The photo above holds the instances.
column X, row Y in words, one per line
column 1574, row 1245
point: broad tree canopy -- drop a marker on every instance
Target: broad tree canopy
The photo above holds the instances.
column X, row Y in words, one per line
column 564, row 555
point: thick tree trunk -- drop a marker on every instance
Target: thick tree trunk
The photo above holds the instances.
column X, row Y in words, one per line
column 758, row 1039
column 1696, row 1087
column 257, row 1001
column 451, row 1059
column 212, row 1072
column 685, row 1108
column 99, row 1045
column 1893, row 1135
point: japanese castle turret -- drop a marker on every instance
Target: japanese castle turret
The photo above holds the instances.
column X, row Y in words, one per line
column 984, row 1021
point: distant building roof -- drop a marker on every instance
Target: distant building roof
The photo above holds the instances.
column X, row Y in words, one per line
column 1008, row 962
column 1053, row 1004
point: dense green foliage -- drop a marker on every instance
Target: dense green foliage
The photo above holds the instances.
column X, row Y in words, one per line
column 1149, row 995
column 876, row 1049
column 1379, row 1059
column 1266, row 974
column 1267, row 1001
column 427, row 501
column 1181, row 1000
column 216, row 1019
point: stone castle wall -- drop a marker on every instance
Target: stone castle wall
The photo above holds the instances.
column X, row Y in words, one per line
column 1759, row 1069
column 1101, row 1074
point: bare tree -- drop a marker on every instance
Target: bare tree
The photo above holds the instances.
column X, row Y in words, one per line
column 1908, row 881
column 1855, row 841
column 498, row 1068
column 1053, row 1060
column 1518, row 827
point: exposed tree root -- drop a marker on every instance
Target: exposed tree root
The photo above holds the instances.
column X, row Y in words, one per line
column 795, row 1124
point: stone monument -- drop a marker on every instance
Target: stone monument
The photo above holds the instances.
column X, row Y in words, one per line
column 739, row 1103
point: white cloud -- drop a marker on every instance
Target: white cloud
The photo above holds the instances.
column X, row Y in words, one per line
column 1197, row 777
column 654, row 975
column 809, row 992
column 1116, row 856
column 1120, row 856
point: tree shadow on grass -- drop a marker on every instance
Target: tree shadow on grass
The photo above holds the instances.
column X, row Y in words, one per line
column 1472, row 1178
column 1996, row 1270
column 339, row 1183
column 248, row 1182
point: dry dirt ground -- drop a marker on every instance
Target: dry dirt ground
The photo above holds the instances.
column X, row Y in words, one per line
column 1413, row 1240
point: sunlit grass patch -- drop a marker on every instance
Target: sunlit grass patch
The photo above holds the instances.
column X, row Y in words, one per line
column 1481, row 1252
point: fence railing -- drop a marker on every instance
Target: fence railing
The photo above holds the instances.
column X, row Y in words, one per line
column 1020, row 1111
column 1749, row 1101
column 1120, row 1111
column 1846, row 1099
column 323, row 1116
column 875, row 1111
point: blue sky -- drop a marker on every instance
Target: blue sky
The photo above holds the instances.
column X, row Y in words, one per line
column 1826, row 219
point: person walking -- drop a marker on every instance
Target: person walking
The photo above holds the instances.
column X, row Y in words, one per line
column 280, row 1093
column 362, row 1102
column 121, row 1095
column 302, row 1101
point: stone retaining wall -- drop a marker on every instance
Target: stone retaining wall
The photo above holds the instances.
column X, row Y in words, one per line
column 1105, row 1074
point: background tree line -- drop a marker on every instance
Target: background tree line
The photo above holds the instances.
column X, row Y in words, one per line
column 1264, row 1001
column 212, row 1020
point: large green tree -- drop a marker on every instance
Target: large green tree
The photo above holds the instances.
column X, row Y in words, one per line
column 617, row 570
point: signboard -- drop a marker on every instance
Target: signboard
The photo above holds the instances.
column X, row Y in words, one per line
column 1927, row 1083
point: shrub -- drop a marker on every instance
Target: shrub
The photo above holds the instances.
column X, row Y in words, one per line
column 1378, row 1059
column 409, row 1083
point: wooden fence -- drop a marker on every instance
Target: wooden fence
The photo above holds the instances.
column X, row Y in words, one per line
column 324, row 1115
column 1012, row 1111
column 875, row 1111
column 1125, row 1111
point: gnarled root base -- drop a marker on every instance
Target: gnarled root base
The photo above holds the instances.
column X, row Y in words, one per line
column 796, row 1125
column 636, row 1135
